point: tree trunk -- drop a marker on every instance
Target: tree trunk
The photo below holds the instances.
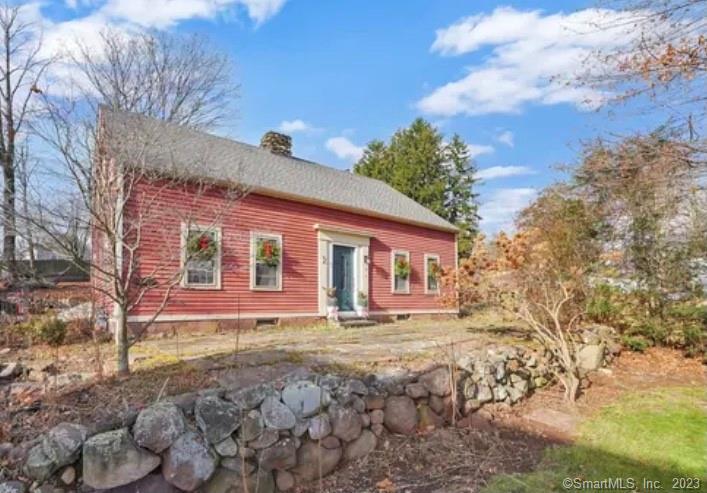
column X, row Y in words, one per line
column 571, row 383
column 8, row 212
column 122, row 346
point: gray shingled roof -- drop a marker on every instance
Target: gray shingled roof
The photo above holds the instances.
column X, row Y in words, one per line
column 177, row 149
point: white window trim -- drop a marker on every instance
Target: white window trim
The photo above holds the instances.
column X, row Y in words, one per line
column 186, row 228
column 431, row 256
column 393, row 254
column 270, row 236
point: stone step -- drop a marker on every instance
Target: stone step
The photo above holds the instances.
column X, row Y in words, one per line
column 353, row 323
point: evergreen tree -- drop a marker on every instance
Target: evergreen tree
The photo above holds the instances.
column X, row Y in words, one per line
column 440, row 176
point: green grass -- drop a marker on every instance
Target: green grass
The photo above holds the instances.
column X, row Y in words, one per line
column 656, row 435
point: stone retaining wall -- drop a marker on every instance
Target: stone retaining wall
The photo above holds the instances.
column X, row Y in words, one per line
column 272, row 436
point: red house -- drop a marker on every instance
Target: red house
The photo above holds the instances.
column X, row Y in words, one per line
column 301, row 229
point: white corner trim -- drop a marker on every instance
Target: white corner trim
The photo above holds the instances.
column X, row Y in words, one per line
column 430, row 256
column 393, row 253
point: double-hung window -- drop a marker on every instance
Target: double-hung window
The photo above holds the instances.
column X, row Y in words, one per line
column 401, row 271
column 201, row 257
column 432, row 267
column 266, row 264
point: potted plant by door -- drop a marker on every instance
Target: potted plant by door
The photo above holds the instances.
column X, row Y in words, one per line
column 332, row 304
column 362, row 305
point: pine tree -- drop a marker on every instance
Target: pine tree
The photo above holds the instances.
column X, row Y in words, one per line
column 440, row 176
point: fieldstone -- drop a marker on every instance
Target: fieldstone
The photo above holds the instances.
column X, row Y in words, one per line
column 319, row 427
column 436, row 403
column 470, row 389
column 266, row 438
column 11, row 370
column 377, row 416
column 374, row 401
column 429, row 420
column 300, row 427
column 277, row 415
column 251, row 397
column 305, row 399
column 284, row 480
column 436, row 382
column 312, row 459
column 484, row 393
column 466, row 363
column 514, row 394
column 227, row 481
column 365, row 420
column 216, row 418
column 377, row 429
column 246, row 452
column 499, row 393
column 354, row 386
column 590, row 357
column 416, row 390
column 227, row 447
column 237, row 465
column 152, row 483
column 522, row 386
column 361, row 447
column 158, row 426
column 400, row 415
column 62, row 444
column 358, row 404
column 470, row 406
column 499, row 371
column 188, row 463
column 13, row 487
column 113, row 459
column 345, row 423
column 282, row 456
column 68, row 475
column 252, row 425
column 37, row 465
column 331, row 442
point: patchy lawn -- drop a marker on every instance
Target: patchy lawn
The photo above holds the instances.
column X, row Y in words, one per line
column 655, row 435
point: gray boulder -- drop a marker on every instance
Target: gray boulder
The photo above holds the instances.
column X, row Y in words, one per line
column 251, row 397
column 37, row 465
column 252, row 425
column 277, row 415
column 319, row 427
column 113, row 459
column 158, row 426
column 416, row 390
column 281, row 456
column 437, row 382
column 13, row 487
column 483, row 393
column 305, row 399
column 216, row 418
column 400, row 415
column 284, row 480
column 62, row 444
column 345, row 423
column 590, row 357
column 361, row 447
column 266, row 438
column 227, row 448
column 188, row 463
column 311, row 459
column 152, row 483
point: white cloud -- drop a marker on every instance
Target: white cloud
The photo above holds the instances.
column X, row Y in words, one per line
column 502, row 172
column 533, row 56
column 162, row 14
column 293, row 126
column 478, row 149
column 499, row 211
column 344, row 148
column 507, row 138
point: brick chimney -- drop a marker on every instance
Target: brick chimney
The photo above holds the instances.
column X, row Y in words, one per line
column 277, row 143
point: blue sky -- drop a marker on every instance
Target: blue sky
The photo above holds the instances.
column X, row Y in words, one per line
column 336, row 75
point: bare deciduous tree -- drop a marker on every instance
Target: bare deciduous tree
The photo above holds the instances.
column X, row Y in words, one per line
column 21, row 68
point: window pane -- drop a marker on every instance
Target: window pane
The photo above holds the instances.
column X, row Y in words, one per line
column 400, row 283
column 266, row 276
column 431, row 274
column 200, row 272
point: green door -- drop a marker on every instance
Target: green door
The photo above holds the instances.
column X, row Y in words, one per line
column 343, row 276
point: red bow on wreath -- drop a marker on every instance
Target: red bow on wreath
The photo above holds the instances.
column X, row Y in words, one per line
column 204, row 242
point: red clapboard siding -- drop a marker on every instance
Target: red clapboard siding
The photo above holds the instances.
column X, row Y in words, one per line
column 295, row 222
